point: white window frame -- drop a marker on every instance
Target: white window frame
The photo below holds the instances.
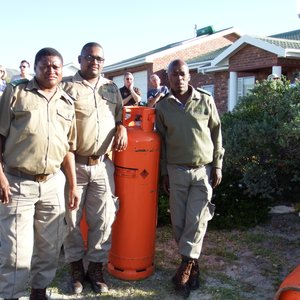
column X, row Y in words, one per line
column 245, row 84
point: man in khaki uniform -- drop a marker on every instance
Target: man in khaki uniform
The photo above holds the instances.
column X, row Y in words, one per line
column 98, row 106
column 191, row 162
column 37, row 133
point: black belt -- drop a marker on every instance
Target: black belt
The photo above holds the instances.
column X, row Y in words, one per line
column 90, row 160
column 37, row 177
column 193, row 167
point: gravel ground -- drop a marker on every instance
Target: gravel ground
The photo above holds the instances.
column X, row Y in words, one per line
column 235, row 264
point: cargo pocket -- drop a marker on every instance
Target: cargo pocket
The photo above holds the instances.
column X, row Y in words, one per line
column 209, row 211
column 112, row 207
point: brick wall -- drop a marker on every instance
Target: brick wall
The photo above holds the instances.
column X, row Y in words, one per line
column 250, row 58
column 160, row 64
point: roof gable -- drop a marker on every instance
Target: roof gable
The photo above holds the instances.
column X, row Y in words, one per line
column 282, row 47
column 149, row 56
column 291, row 35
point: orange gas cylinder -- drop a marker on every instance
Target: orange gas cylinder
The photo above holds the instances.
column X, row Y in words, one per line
column 290, row 287
column 136, row 178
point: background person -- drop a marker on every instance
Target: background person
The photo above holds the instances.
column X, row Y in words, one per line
column 98, row 105
column 296, row 79
column 131, row 95
column 191, row 161
column 37, row 135
column 273, row 76
column 24, row 71
column 2, row 79
column 157, row 92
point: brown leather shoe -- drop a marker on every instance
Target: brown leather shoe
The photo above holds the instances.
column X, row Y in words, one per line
column 77, row 274
column 95, row 276
column 194, row 282
column 38, row 294
column 181, row 278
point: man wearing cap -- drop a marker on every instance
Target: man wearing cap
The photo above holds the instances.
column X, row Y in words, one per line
column 273, row 76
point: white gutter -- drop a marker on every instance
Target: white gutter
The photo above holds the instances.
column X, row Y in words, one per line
column 212, row 69
column 130, row 63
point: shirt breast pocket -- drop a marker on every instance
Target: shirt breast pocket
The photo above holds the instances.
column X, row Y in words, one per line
column 201, row 114
column 26, row 116
column 109, row 104
column 64, row 119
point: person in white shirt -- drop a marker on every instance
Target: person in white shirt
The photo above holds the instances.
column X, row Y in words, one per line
column 24, row 71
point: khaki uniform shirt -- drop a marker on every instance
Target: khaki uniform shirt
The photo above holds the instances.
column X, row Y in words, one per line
column 38, row 134
column 191, row 134
column 98, row 108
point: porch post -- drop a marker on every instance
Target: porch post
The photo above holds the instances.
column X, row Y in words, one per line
column 233, row 86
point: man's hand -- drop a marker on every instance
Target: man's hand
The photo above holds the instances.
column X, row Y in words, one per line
column 121, row 138
column 5, row 192
column 215, row 177
column 73, row 199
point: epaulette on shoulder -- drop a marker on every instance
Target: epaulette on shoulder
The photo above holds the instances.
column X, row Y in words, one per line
column 68, row 97
column 109, row 82
column 110, row 86
column 115, row 84
column 67, row 79
column 164, row 97
column 18, row 81
column 203, row 91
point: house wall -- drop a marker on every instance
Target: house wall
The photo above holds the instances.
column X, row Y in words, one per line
column 160, row 64
column 249, row 61
column 220, row 82
column 251, row 58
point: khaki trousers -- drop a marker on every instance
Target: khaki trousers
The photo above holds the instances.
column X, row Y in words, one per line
column 31, row 234
column 190, row 207
column 96, row 192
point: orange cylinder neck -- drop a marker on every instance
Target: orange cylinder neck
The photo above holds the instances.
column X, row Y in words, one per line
column 139, row 116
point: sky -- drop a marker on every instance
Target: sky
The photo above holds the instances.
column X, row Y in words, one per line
column 131, row 27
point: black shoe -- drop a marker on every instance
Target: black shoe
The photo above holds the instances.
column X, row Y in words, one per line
column 95, row 277
column 38, row 294
column 77, row 274
column 194, row 282
column 182, row 290
column 181, row 278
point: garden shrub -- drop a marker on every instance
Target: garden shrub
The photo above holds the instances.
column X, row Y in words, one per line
column 163, row 217
column 262, row 148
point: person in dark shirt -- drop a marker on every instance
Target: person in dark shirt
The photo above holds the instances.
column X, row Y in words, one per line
column 131, row 95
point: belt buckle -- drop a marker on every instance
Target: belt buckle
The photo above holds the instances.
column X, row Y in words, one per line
column 41, row 177
column 93, row 160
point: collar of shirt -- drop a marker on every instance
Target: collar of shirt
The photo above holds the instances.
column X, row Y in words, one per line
column 195, row 95
column 101, row 80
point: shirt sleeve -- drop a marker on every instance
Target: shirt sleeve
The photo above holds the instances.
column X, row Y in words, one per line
column 162, row 132
column 5, row 111
column 119, row 108
column 216, row 135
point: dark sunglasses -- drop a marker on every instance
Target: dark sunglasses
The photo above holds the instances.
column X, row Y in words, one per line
column 23, row 67
column 91, row 58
